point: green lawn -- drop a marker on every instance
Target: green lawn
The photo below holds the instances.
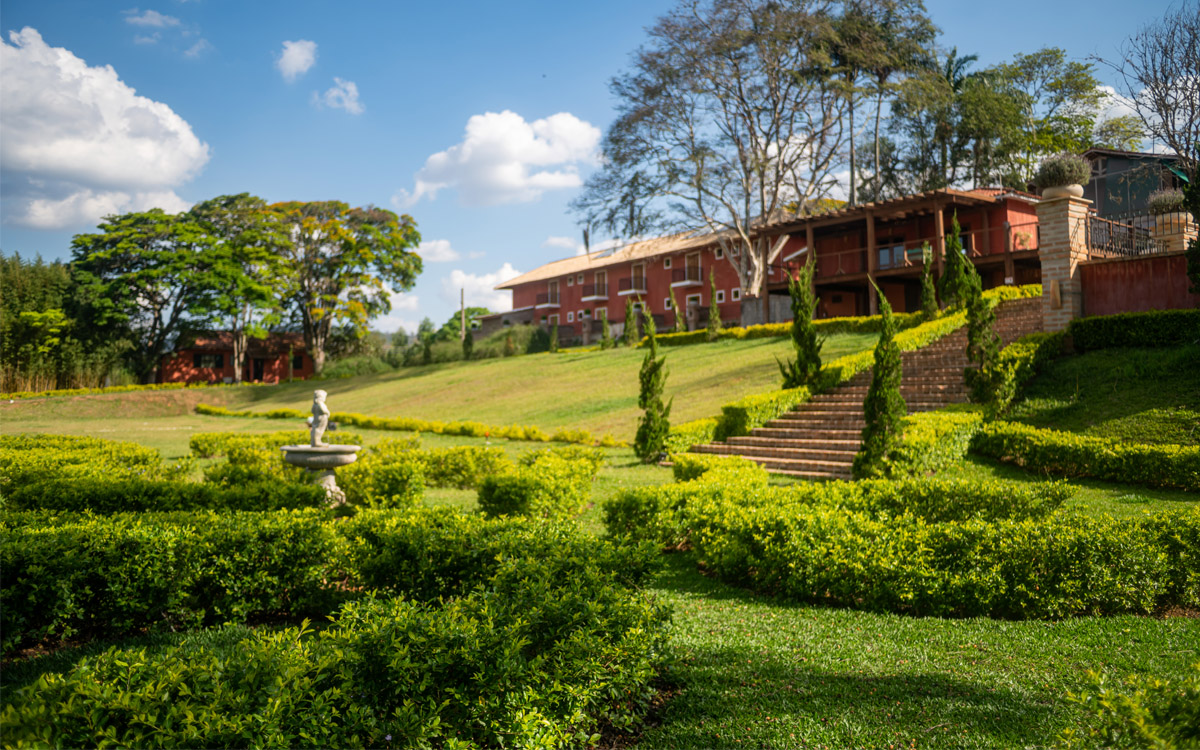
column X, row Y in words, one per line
column 1138, row 395
column 595, row 391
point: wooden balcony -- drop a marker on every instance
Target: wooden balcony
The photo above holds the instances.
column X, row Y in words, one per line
column 592, row 292
column 547, row 300
column 687, row 277
column 634, row 285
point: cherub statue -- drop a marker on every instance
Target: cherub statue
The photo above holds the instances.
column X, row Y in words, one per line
column 320, row 418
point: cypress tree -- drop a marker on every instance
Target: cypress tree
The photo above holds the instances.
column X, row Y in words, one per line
column 606, row 339
column 680, row 317
column 983, row 346
column 884, row 407
column 804, row 368
column 554, row 338
column 630, row 333
column 929, row 303
column 468, row 344
column 714, row 311
column 652, row 429
column 650, row 326
column 951, row 288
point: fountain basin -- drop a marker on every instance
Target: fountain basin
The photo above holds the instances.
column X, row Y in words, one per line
column 321, row 456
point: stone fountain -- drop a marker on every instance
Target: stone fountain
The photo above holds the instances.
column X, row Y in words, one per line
column 319, row 457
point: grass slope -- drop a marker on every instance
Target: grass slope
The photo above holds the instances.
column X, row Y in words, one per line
column 595, row 391
column 1137, row 395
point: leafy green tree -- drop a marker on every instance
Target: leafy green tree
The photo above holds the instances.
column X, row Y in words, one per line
column 714, row 310
column 680, row 319
column 144, row 271
column 244, row 269
column 450, row 329
column 400, row 338
column 884, row 407
column 929, row 303
column 345, row 262
column 951, row 285
column 629, row 332
column 654, row 424
column 804, row 369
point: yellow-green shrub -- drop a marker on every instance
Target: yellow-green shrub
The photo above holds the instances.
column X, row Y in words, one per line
column 551, row 487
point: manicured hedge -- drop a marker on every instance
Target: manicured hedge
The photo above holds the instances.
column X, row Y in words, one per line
column 550, row 487
column 28, row 459
column 408, row 424
column 101, row 495
column 684, row 436
column 1136, row 712
column 920, row 546
column 742, row 416
column 1020, row 361
column 77, row 573
column 522, row 635
column 826, row 327
column 1152, row 328
column 688, row 466
column 1067, row 454
column 209, row 444
column 933, row 440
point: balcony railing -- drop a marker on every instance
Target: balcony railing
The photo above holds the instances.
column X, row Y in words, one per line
column 595, row 291
column 547, row 300
column 686, row 276
column 632, row 285
column 1117, row 239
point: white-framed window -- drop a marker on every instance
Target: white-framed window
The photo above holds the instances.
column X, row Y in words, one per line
column 692, row 299
column 667, row 303
column 570, row 317
column 570, row 281
column 719, row 253
column 666, row 262
column 209, row 361
column 736, row 294
column 579, row 279
column 720, row 296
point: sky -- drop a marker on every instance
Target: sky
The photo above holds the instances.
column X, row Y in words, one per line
column 481, row 120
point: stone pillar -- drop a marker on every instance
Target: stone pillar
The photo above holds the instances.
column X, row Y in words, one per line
column 1174, row 231
column 1063, row 229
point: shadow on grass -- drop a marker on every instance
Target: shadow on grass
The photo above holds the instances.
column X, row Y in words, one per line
column 742, row 685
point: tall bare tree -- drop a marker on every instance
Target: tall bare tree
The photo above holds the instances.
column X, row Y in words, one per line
column 1160, row 72
column 728, row 117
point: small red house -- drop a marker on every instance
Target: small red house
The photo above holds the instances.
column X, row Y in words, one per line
column 207, row 357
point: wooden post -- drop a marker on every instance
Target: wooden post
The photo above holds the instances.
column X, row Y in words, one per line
column 1010, row 271
column 462, row 317
column 872, row 265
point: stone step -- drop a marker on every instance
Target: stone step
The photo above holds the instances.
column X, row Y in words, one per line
column 833, row 469
column 773, row 452
column 821, row 434
column 809, row 443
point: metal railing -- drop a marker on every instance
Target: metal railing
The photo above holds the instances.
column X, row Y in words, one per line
column 635, row 284
column 595, row 290
column 1113, row 238
column 692, row 274
column 547, row 299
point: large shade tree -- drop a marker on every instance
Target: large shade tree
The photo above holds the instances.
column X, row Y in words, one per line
column 144, row 272
column 728, row 116
column 244, row 269
column 345, row 262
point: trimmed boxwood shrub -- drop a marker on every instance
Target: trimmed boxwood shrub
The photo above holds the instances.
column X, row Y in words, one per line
column 127, row 495
column 933, row 440
column 551, row 487
column 1067, row 454
column 742, row 416
column 209, row 444
column 27, row 459
column 1152, row 328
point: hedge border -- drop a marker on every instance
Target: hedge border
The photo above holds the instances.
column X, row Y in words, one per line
column 20, row 395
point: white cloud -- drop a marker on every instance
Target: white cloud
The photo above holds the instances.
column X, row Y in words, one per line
column 504, row 159
column 565, row 243
column 147, row 38
column 477, row 288
column 343, row 95
column 150, row 18
column 437, row 251
column 395, row 320
column 198, row 48
column 297, row 57
column 79, row 143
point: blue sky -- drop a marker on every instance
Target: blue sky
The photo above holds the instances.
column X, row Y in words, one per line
column 478, row 119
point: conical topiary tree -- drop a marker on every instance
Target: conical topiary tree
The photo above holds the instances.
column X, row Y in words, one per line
column 650, row 326
column 884, row 408
column 629, row 335
column 983, row 346
column 680, row 317
column 929, row 303
column 651, row 437
column 950, row 286
column 803, row 370
column 554, row 338
column 714, row 310
column 606, row 339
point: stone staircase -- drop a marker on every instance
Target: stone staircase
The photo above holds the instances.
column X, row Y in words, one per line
column 819, row 438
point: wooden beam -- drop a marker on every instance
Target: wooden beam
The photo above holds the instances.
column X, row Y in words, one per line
column 872, row 264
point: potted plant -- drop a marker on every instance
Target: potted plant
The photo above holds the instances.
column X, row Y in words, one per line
column 1167, row 208
column 1063, row 175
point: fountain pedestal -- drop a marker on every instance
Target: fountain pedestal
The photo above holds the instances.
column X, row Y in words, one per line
column 321, row 460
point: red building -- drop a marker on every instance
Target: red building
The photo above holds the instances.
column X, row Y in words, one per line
column 208, row 358
column 881, row 241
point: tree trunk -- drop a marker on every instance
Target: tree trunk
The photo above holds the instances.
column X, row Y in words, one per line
column 878, row 181
column 239, row 354
column 853, row 195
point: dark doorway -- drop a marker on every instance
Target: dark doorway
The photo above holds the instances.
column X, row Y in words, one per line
column 259, row 367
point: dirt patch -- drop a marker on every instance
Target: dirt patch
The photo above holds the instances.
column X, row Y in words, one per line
column 612, row 738
column 1181, row 612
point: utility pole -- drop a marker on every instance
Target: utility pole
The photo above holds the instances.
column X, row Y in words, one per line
column 462, row 316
